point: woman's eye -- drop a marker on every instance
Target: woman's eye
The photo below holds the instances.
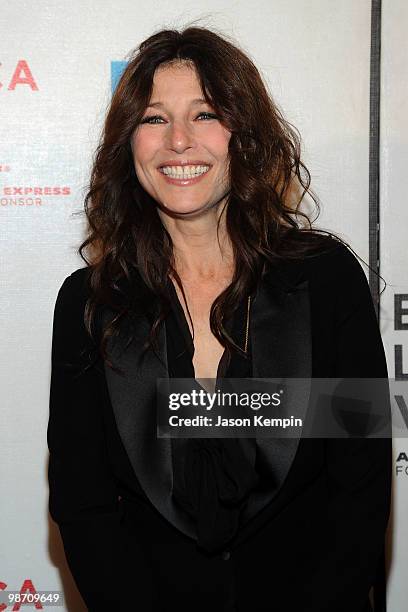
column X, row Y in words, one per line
column 155, row 119
column 152, row 119
column 207, row 115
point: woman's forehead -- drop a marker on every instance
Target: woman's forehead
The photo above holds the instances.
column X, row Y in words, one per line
column 171, row 80
column 176, row 69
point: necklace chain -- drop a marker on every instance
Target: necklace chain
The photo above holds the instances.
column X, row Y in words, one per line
column 247, row 324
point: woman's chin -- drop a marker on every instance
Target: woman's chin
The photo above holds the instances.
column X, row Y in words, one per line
column 184, row 210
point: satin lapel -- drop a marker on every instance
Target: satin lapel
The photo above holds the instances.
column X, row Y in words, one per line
column 133, row 399
column 281, row 348
column 280, row 336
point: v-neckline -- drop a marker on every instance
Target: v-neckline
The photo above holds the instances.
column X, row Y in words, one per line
column 184, row 327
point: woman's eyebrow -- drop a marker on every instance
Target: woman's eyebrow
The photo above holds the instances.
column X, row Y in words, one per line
column 160, row 104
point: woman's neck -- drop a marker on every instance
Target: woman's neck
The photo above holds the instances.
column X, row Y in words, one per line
column 199, row 253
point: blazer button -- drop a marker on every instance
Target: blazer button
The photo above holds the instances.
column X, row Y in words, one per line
column 226, row 555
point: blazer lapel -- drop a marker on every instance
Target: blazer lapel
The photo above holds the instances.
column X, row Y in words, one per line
column 280, row 336
column 133, row 399
column 281, row 345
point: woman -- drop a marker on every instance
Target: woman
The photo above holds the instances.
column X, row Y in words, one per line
column 199, row 267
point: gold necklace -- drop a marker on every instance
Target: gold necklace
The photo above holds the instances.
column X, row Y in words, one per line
column 247, row 324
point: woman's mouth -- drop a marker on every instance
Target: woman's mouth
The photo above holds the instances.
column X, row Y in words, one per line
column 183, row 175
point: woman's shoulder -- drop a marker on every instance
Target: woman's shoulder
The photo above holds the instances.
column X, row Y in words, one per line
column 326, row 256
column 77, row 279
column 318, row 257
column 71, row 340
column 74, row 291
column 331, row 267
column 71, row 301
column 337, row 275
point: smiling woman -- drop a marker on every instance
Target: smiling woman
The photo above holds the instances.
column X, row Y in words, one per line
column 202, row 266
column 180, row 143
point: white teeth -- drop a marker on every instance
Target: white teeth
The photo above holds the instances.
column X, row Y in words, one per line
column 184, row 172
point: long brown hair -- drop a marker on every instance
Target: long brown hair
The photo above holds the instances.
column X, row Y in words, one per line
column 268, row 182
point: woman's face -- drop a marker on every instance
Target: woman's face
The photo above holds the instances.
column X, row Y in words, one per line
column 180, row 148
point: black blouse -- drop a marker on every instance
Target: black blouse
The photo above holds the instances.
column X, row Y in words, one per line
column 313, row 546
column 212, row 477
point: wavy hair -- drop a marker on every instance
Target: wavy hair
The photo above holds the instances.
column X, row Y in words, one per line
column 268, row 182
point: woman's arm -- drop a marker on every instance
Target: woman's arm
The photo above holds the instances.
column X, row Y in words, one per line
column 83, row 495
column 358, row 469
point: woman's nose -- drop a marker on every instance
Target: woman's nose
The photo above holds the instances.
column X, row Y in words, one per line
column 179, row 136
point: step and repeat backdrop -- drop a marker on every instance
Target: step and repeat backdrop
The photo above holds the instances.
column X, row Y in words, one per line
column 394, row 269
column 58, row 65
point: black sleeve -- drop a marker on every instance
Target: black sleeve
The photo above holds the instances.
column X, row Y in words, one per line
column 83, row 497
column 358, row 469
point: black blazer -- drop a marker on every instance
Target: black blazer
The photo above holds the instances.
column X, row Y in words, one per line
column 312, row 544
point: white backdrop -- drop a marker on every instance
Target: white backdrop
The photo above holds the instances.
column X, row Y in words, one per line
column 55, row 75
column 394, row 264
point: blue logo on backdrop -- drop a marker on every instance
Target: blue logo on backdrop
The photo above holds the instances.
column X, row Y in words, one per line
column 117, row 69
